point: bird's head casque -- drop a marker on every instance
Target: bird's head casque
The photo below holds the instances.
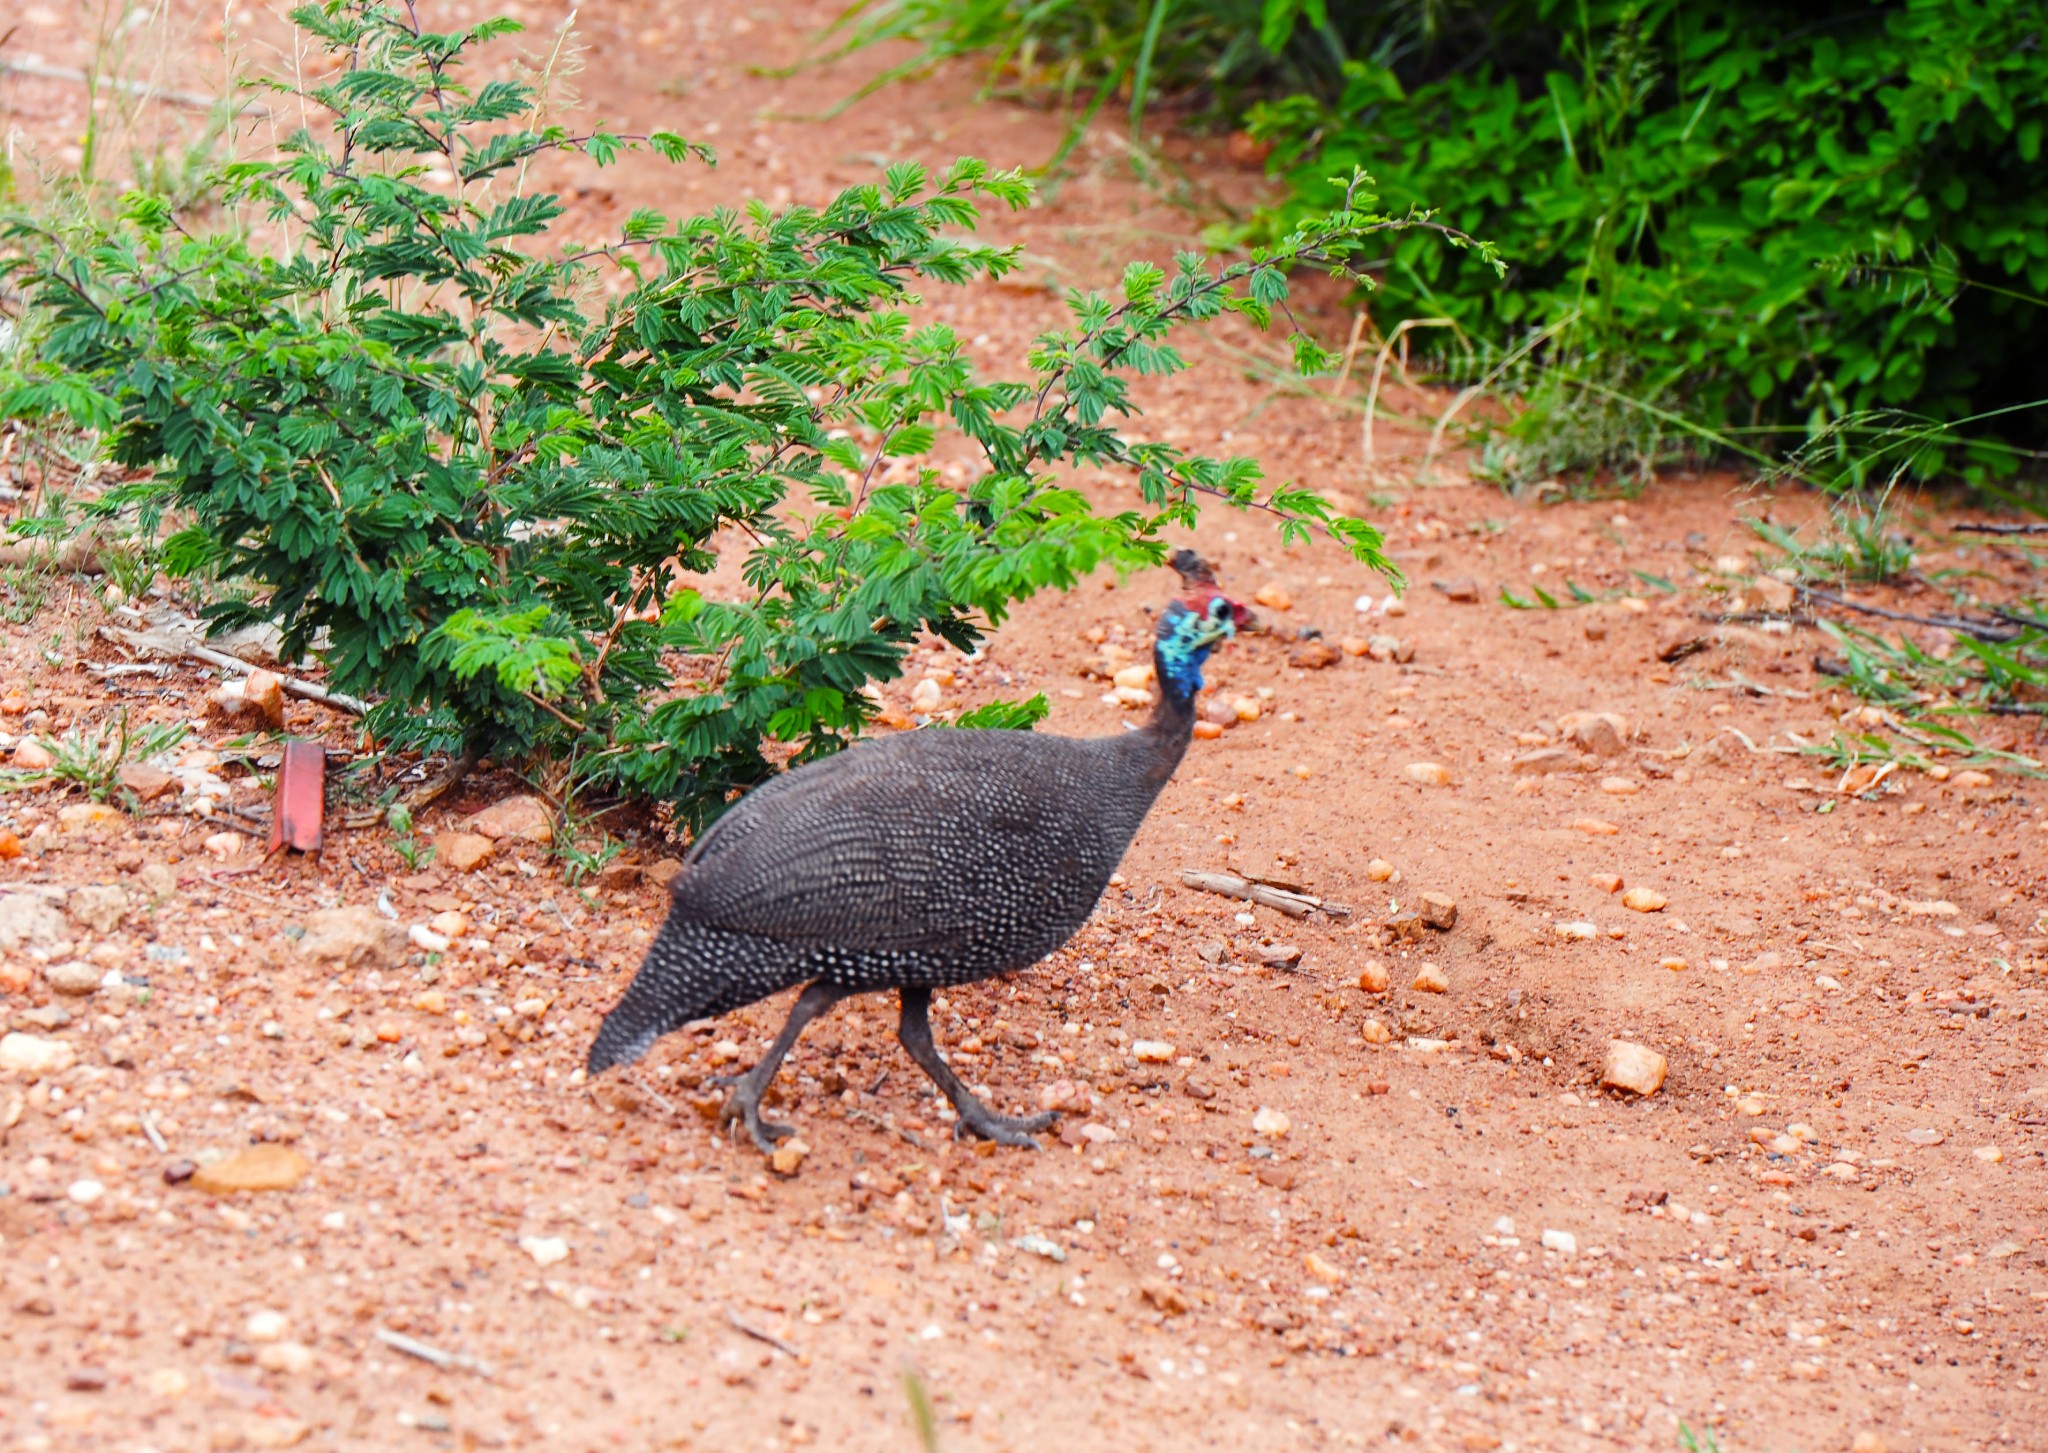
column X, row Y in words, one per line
column 1187, row 631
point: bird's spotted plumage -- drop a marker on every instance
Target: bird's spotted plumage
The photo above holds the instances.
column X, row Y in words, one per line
column 912, row 862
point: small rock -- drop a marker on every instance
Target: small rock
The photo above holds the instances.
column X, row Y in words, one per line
column 464, row 852
column 28, row 1054
column 1403, row 927
column 75, row 977
column 1269, row 1121
column 1246, row 708
column 1323, row 1271
column 662, row 872
column 265, row 1326
column 146, row 782
column 1633, row 1067
column 1374, row 1032
column 424, row 938
column 1314, row 655
column 1439, row 911
column 1274, row 597
column 1207, row 731
column 545, row 1250
column 522, row 818
column 1164, row 1295
column 1428, row 774
column 84, row 1192
column 1867, row 1442
column 1594, row 827
column 449, row 924
column 788, row 1158
column 293, row 1359
column 97, row 906
column 352, row 937
column 28, row 922
column 1463, row 590
column 1354, row 645
column 1152, row 1051
column 1372, row 977
column 1192, row 1087
column 1989, row 1154
column 85, row 816
column 1603, row 733
column 1644, row 900
column 1620, row 786
column 1925, row 1135
column 1040, row 1246
column 1971, row 777
column 1542, row 762
column 1070, row 1096
column 1136, row 677
column 1430, row 979
column 1278, row 955
column 31, row 755
column 1606, row 882
column 1379, row 870
column 1562, row 1242
column 222, row 845
column 1575, row 932
column 259, row 1168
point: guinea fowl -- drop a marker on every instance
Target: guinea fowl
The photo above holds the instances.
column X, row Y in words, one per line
column 913, row 862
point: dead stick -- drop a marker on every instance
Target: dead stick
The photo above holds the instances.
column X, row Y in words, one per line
column 739, row 1324
column 2027, row 529
column 1982, row 630
column 197, row 100
column 426, row 1352
column 1229, row 885
column 306, row 690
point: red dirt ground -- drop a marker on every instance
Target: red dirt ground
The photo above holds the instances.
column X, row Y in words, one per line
column 1836, row 972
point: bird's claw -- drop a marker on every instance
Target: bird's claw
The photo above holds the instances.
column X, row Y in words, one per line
column 1015, row 1130
column 748, row 1113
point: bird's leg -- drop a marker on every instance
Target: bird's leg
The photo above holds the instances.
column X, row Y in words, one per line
column 916, row 1034
column 745, row 1104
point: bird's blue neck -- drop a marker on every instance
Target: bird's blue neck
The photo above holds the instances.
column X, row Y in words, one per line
column 1180, row 670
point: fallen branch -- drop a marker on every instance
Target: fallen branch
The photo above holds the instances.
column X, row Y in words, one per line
column 196, row 100
column 741, row 1325
column 1229, row 885
column 1976, row 529
column 426, row 1352
column 1991, row 630
column 421, row 797
column 154, row 644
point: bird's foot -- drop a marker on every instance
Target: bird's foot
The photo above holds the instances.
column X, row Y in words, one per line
column 977, row 1119
column 740, row 1109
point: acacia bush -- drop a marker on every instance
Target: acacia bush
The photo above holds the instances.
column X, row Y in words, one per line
column 414, row 432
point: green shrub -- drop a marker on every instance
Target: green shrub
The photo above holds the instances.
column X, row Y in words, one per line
column 414, row 435
column 1732, row 227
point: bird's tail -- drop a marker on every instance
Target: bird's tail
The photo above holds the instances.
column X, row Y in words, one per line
column 691, row 972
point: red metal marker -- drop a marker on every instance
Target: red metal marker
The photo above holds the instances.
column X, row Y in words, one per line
column 301, row 798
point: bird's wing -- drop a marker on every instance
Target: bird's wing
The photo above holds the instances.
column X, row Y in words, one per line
column 882, row 848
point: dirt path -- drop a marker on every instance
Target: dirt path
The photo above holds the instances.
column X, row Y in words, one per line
column 1826, row 1231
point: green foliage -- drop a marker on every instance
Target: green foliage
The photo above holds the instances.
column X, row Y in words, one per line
column 410, row 429
column 1860, row 542
column 90, row 758
column 1786, row 217
column 1733, row 227
column 1006, row 715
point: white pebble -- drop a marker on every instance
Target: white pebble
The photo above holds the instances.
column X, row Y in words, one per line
column 1153, row 1051
column 424, row 937
column 265, row 1326
column 1271, row 1122
column 1562, row 1242
column 545, row 1250
column 86, row 1192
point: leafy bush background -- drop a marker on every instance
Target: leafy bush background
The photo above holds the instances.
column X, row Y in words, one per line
column 404, row 428
column 1775, row 222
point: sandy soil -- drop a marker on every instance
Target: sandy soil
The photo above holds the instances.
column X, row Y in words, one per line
column 1825, row 1231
